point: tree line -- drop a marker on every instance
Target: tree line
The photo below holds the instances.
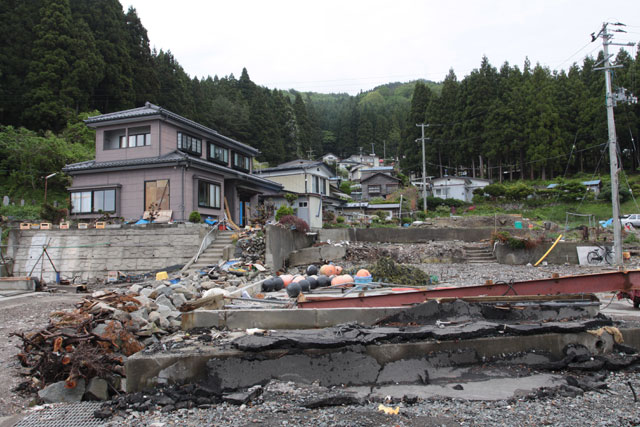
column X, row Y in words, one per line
column 528, row 123
column 63, row 58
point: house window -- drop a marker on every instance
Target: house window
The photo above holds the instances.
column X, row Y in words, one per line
column 93, row 201
column 156, row 195
column 315, row 184
column 189, row 143
column 241, row 162
column 302, row 204
column 218, row 154
column 374, row 188
column 208, row 195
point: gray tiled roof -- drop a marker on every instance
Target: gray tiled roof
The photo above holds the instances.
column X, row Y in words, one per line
column 150, row 109
column 173, row 157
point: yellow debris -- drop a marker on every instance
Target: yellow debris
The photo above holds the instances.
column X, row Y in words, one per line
column 614, row 332
column 387, row 410
column 162, row 275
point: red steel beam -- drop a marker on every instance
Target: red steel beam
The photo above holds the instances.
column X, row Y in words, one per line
column 588, row 283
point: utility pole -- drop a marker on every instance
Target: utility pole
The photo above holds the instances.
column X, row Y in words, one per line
column 310, row 152
column 424, row 170
column 613, row 146
column 384, row 149
column 373, row 148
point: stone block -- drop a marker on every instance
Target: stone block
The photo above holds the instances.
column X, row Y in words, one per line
column 57, row 392
column 97, row 389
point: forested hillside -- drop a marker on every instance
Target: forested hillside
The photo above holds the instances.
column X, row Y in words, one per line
column 61, row 59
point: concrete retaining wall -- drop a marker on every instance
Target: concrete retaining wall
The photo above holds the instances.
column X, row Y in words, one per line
column 93, row 253
column 410, row 235
column 564, row 252
column 280, row 242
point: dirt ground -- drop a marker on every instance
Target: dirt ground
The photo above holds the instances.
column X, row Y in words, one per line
column 20, row 314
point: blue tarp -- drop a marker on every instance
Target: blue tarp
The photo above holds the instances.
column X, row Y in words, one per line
column 606, row 223
column 211, row 221
column 141, row 221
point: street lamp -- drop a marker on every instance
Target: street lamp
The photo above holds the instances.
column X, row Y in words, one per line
column 45, row 185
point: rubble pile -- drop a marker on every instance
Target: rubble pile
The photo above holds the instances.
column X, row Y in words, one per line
column 251, row 246
column 386, row 270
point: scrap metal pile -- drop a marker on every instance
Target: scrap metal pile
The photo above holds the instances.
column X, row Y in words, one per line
column 91, row 341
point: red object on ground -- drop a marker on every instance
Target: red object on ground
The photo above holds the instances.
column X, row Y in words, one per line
column 624, row 281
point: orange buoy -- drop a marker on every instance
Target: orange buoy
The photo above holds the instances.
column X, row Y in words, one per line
column 297, row 278
column 328, row 270
column 286, row 278
column 363, row 273
column 341, row 280
column 338, row 269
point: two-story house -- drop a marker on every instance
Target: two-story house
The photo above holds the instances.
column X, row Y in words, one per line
column 307, row 178
column 149, row 158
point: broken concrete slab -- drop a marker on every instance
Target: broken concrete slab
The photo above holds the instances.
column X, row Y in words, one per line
column 17, row 284
column 492, row 389
column 57, row 392
column 316, row 255
column 97, row 389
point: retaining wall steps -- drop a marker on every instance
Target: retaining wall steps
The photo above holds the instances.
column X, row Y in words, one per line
column 214, row 253
column 479, row 254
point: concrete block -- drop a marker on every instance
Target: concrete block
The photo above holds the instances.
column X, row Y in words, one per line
column 57, row 392
column 17, row 284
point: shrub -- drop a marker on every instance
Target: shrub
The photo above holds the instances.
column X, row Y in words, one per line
column 282, row 211
column 382, row 215
column 291, row 198
column 605, row 194
column 421, row 215
column 295, row 223
column 443, row 210
column 340, row 219
column 406, row 220
column 195, row 217
column 495, row 190
column 328, row 216
column 53, row 214
column 519, row 191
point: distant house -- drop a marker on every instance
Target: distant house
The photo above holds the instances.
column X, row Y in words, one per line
column 307, row 178
column 593, row 185
column 330, row 158
column 149, row 157
column 367, row 172
column 355, row 173
column 347, row 164
column 365, row 159
column 364, row 210
column 457, row 187
column 378, row 185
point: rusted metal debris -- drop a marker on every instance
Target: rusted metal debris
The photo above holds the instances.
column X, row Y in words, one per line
column 69, row 348
column 589, row 283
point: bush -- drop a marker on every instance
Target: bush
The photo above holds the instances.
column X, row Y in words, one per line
column 421, row 215
column 495, row 190
column 291, row 198
column 53, row 214
column 340, row 219
column 195, row 217
column 406, row 220
column 283, row 211
column 295, row 223
column 605, row 194
column 519, row 191
column 328, row 216
column 443, row 210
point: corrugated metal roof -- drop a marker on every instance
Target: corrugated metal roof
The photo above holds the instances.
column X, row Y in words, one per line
column 356, row 205
column 378, row 168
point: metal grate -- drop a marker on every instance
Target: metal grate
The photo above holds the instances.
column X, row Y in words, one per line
column 71, row 415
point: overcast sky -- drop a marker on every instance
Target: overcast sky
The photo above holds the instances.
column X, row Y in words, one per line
column 347, row 46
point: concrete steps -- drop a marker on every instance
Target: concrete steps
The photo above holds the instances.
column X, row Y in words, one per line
column 479, row 255
column 213, row 254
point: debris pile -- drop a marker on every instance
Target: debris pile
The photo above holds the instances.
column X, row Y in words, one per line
column 386, row 270
column 91, row 341
column 252, row 246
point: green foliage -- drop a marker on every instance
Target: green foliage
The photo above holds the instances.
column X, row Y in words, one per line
column 442, row 210
column 340, row 220
column 406, row 220
column 291, row 198
column 282, row 211
column 195, row 217
column 631, row 238
column 345, row 187
column 421, row 215
column 386, row 270
column 295, row 223
column 605, row 194
column 495, row 190
column 518, row 191
column 52, row 214
column 16, row 212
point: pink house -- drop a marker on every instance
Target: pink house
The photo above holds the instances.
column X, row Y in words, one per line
column 150, row 156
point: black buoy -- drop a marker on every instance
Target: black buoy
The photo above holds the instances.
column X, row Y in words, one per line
column 313, row 282
column 305, row 286
column 294, row 289
column 312, row 270
column 268, row 285
column 278, row 284
column 323, row 281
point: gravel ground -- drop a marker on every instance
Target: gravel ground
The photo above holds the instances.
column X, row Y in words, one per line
column 278, row 406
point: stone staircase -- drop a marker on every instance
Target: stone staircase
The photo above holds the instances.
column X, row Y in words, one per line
column 213, row 254
column 479, row 254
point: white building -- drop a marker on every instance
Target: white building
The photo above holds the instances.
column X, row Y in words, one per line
column 456, row 187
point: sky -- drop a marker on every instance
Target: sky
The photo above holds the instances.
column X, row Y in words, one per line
column 352, row 45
